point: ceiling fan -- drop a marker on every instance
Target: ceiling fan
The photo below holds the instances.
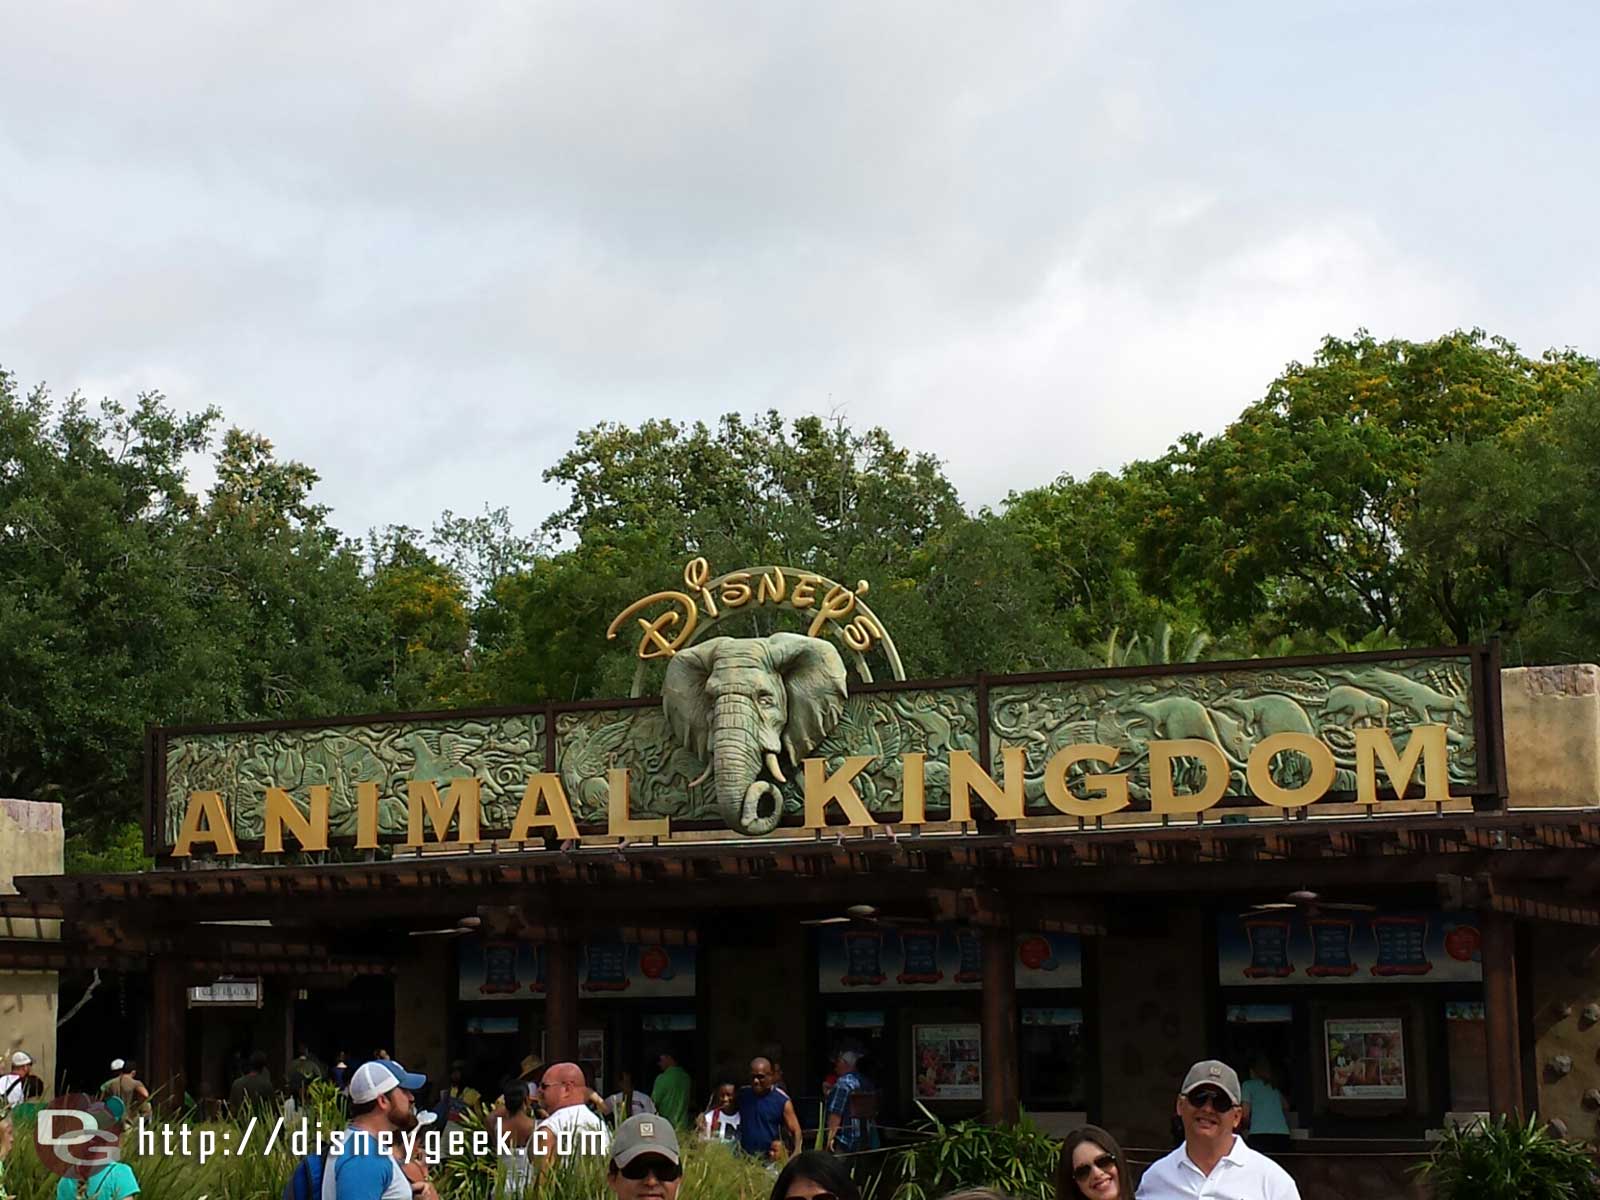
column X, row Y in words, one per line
column 464, row 925
column 863, row 914
column 1311, row 902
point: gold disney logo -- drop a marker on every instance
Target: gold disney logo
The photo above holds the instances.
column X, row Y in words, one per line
column 833, row 604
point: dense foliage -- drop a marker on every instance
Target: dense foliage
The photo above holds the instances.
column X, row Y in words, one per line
column 1017, row 1160
column 1385, row 493
column 1510, row 1159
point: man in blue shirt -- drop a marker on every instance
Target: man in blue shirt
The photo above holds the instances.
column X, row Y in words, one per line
column 847, row 1131
column 382, row 1102
column 766, row 1116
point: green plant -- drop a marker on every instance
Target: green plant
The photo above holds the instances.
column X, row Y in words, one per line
column 1507, row 1159
column 1019, row 1160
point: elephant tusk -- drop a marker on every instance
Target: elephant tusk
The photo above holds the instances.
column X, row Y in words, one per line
column 773, row 769
column 696, row 782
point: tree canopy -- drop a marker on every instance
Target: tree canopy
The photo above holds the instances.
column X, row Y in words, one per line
column 1385, row 493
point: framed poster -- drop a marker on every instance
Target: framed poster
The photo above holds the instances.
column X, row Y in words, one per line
column 949, row 1062
column 1366, row 1059
column 592, row 1055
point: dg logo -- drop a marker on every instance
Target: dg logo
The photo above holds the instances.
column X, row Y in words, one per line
column 77, row 1134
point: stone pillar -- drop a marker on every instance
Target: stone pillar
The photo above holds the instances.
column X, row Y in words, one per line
column 1552, row 725
column 1000, row 1075
column 1501, row 1025
column 31, row 843
column 561, row 1000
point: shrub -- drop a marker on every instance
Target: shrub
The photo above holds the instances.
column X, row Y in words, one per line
column 1506, row 1159
column 1019, row 1160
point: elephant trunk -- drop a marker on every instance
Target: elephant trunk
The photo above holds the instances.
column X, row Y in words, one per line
column 736, row 759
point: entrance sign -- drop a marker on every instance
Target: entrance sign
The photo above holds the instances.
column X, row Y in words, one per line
column 756, row 734
column 227, row 993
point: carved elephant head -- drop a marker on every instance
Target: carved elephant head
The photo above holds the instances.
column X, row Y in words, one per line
column 745, row 701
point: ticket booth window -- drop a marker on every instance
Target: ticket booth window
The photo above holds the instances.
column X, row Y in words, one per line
column 1053, row 1057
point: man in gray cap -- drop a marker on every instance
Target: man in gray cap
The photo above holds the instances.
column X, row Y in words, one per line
column 644, row 1160
column 1213, row 1160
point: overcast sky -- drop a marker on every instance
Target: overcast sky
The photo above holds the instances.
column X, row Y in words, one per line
column 419, row 246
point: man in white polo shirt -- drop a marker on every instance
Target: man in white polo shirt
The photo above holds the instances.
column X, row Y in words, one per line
column 1213, row 1161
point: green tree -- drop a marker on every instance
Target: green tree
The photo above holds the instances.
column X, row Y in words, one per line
column 1297, row 512
column 1507, row 534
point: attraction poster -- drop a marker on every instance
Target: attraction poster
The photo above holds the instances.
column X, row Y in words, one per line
column 1301, row 946
column 936, row 958
column 949, row 1062
column 494, row 969
column 1366, row 1059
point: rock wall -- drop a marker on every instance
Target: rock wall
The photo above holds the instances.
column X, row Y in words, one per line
column 31, row 843
column 1552, row 724
column 1566, row 1026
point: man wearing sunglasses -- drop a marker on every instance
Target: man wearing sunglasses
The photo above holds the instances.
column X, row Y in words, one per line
column 1213, row 1161
column 644, row 1160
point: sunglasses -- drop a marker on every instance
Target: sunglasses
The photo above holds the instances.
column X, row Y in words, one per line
column 663, row 1170
column 819, row 1196
column 1105, row 1164
column 1220, row 1102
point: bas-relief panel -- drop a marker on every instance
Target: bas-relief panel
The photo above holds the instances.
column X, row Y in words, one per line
column 661, row 773
column 499, row 751
column 1234, row 710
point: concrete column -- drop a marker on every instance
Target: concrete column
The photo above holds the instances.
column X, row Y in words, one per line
column 1501, row 1024
column 1000, row 1075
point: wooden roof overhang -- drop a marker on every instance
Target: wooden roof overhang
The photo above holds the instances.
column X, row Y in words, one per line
column 1530, row 861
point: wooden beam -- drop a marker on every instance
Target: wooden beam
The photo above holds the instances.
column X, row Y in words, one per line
column 1501, row 1024
column 998, row 1038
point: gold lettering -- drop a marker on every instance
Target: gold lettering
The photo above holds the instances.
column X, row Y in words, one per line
column 205, row 820
column 652, row 643
column 1426, row 745
column 1113, row 788
column 696, row 574
column 772, row 587
column 461, row 804
column 1163, row 797
column 823, row 789
column 619, row 821
column 967, row 778
column 1259, row 770
column 913, row 789
column 736, row 590
column 309, row 829
column 804, row 594
column 839, row 602
column 544, row 805
column 366, row 816
column 861, row 632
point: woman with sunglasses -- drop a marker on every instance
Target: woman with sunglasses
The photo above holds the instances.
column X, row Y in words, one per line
column 1092, row 1167
column 815, row 1175
column 1214, row 1159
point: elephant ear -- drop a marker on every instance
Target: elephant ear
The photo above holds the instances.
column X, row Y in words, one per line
column 814, row 677
column 684, row 696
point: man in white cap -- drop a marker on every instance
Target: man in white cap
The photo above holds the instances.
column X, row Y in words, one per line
column 13, row 1090
column 1213, row 1160
column 644, row 1160
column 848, row 1131
column 382, row 1101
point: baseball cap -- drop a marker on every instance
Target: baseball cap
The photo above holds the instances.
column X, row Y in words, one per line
column 21, row 1059
column 645, row 1134
column 381, row 1075
column 117, row 1064
column 1217, row 1074
column 848, row 1057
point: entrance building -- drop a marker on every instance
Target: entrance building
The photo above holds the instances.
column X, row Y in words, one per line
column 1369, row 877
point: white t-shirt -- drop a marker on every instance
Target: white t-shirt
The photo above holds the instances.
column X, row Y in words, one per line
column 12, row 1088
column 640, row 1105
column 575, row 1129
column 1241, row 1174
column 718, row 1126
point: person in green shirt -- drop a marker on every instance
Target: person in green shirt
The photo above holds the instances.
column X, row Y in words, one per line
column 670, row 1094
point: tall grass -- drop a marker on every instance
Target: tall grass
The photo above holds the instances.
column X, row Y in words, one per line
column 711, row 1172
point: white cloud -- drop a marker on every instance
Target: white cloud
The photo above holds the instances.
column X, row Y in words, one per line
column 420, row 246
